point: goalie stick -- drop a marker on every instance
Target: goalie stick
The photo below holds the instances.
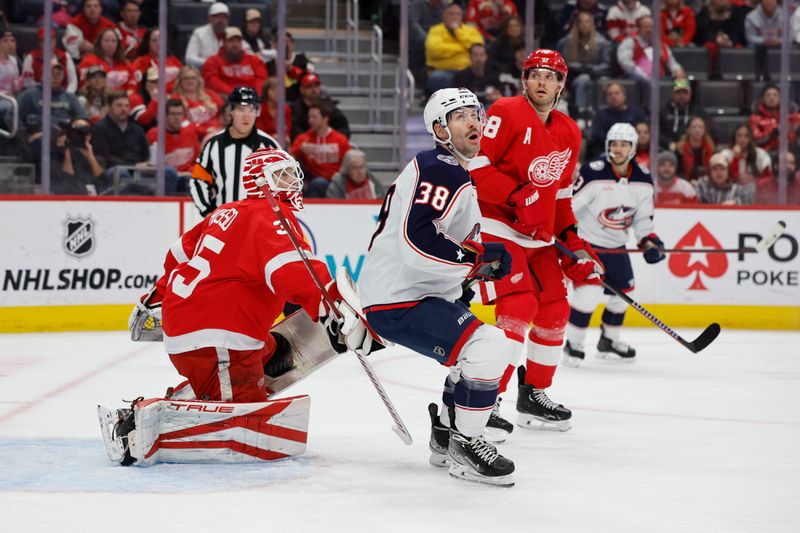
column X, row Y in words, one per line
column 762, row 245
column 399, row 428
column 704, row 339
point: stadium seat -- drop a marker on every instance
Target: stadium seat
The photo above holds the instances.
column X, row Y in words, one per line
column 724, row 126
column 720, row 97
column 189, row 15
column 695, row 61
column 26, row 38
column 737, row 63
column 774, row 64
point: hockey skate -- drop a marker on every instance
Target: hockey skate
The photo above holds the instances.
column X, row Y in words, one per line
column 537, row 411
column 611, row 350
column 497, row 428
column 440, row 439
column 573, row 356
column 474, row 459
column 115, row 425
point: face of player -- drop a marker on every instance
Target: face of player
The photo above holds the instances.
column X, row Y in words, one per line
column 465, row 130
column 243, row 118
column 620, row 151
column 109, row 43
column 542, row 87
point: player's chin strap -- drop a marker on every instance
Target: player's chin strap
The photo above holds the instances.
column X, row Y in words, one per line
column 448, row 144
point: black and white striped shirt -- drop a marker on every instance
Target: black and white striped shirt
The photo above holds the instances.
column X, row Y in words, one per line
column 217, row 174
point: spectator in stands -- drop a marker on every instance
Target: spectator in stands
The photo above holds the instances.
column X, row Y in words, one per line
column 297, row 66
column 209, row 38
column 202, row 106
column 319, row 150
column 144, row 102
column 794, row 26
column 671, row 189
column 676, row 113
column 32, row 65
column 93, row 95
column 181, row 146
column 84, row 29
column 621, row 22
column 311, row 93
column 354, row 181
column 678, row 24
column 65, row 107
column 147, row 57
column 119, row 142
column 232, row 66
column 510, row 77
column 642, row 156
column 268, row 119
column 634, row 56
column 767, row 189
column 422, row 16
column 763, row 121
column 747, row 163
column 694, row 149
column 447, row 48
column 488, row 16
column 10, row 79
column 588, row 56
column 132, row 33
column 569, row 15
column 501, row 51
column 617, row 110
column 720, row 24
column 253, row 34
column 80, row 172
column 109, row 55
column 478, row 77
column 717, row 187
column 763, row 28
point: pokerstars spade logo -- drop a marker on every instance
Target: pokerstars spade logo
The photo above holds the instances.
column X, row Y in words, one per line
column 685, row 265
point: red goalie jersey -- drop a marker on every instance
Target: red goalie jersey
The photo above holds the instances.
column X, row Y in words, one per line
column 517, row 148
column 227, row 279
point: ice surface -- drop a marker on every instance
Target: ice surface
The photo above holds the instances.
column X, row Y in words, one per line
column 674, row 442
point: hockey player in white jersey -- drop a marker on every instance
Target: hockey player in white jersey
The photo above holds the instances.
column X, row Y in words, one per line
column 612, row 195
column 426, row 244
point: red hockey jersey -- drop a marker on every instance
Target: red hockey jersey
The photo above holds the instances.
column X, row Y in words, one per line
column 228, row 278
column 517, row 148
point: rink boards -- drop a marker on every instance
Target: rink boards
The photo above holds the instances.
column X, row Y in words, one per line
column 72, row 263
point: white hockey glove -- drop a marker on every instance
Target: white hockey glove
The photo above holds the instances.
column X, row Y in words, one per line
column 144, row 322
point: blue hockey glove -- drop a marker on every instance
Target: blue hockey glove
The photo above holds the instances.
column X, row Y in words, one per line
column 653, row 249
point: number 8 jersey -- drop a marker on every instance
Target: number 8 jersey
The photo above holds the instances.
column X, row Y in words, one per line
column 416, row 251
column 228, row 278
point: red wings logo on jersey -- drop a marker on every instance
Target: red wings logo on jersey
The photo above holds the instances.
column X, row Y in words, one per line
column 547, row 169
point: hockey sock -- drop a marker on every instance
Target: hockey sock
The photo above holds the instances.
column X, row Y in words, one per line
column 576, row 335
column 448, row 403
column 474, row 400
column 509, row 371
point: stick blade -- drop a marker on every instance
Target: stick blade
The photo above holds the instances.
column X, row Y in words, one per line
column 705, row 338
column 403, row 434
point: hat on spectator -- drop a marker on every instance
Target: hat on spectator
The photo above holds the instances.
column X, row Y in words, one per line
column 95, row 69
column 218, row 8
column 232, row 32
column 40, row 33
column 666, row 155
column 152, row 74
column 681, row 84
column 252, row 14
column 310, row 79
column 718, row 159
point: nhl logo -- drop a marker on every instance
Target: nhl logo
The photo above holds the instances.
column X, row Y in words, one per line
column 79, row 237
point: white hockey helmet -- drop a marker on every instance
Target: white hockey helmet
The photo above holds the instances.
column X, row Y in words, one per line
column 442, row 103
column 622, row 131
column 273, row 171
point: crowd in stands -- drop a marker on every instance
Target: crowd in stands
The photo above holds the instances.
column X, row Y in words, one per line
column 105, row 89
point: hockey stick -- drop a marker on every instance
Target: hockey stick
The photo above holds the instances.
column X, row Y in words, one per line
column 706, row 337
column 764, row 244
column 399, row 427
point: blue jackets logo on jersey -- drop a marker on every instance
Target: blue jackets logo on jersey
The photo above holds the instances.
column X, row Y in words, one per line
column 619, row 218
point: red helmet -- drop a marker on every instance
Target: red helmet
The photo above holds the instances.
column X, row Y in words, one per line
column 274, row 171
column 544, row 58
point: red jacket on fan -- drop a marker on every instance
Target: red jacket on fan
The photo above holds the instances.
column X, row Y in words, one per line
column 131, row 39
column 80, row 29
column 251, row 271
column 516, row 149
column 683, row 23
column 223, row 76
column 204, row 116
column 765, row 121
column 119, row 75
column 321, row 156
column 482, row 14
column 181, row 148
column 142, row 63
column 144, row 115
column 269, row 124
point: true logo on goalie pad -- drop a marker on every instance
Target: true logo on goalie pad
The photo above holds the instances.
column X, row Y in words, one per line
column 79, row 236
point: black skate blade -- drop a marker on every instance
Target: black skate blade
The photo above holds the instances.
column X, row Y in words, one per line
column 705, row 338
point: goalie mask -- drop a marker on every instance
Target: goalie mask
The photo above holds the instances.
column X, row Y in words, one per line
column 622, row 131
column 439, row 107
column 273, row 171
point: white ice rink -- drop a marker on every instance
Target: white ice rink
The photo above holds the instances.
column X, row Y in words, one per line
column 675, row 442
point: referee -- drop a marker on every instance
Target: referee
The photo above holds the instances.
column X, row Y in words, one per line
column 216, row 178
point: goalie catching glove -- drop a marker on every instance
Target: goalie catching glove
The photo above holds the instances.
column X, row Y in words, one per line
column 348, row 331
column 587, row 269
column 144, row 322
